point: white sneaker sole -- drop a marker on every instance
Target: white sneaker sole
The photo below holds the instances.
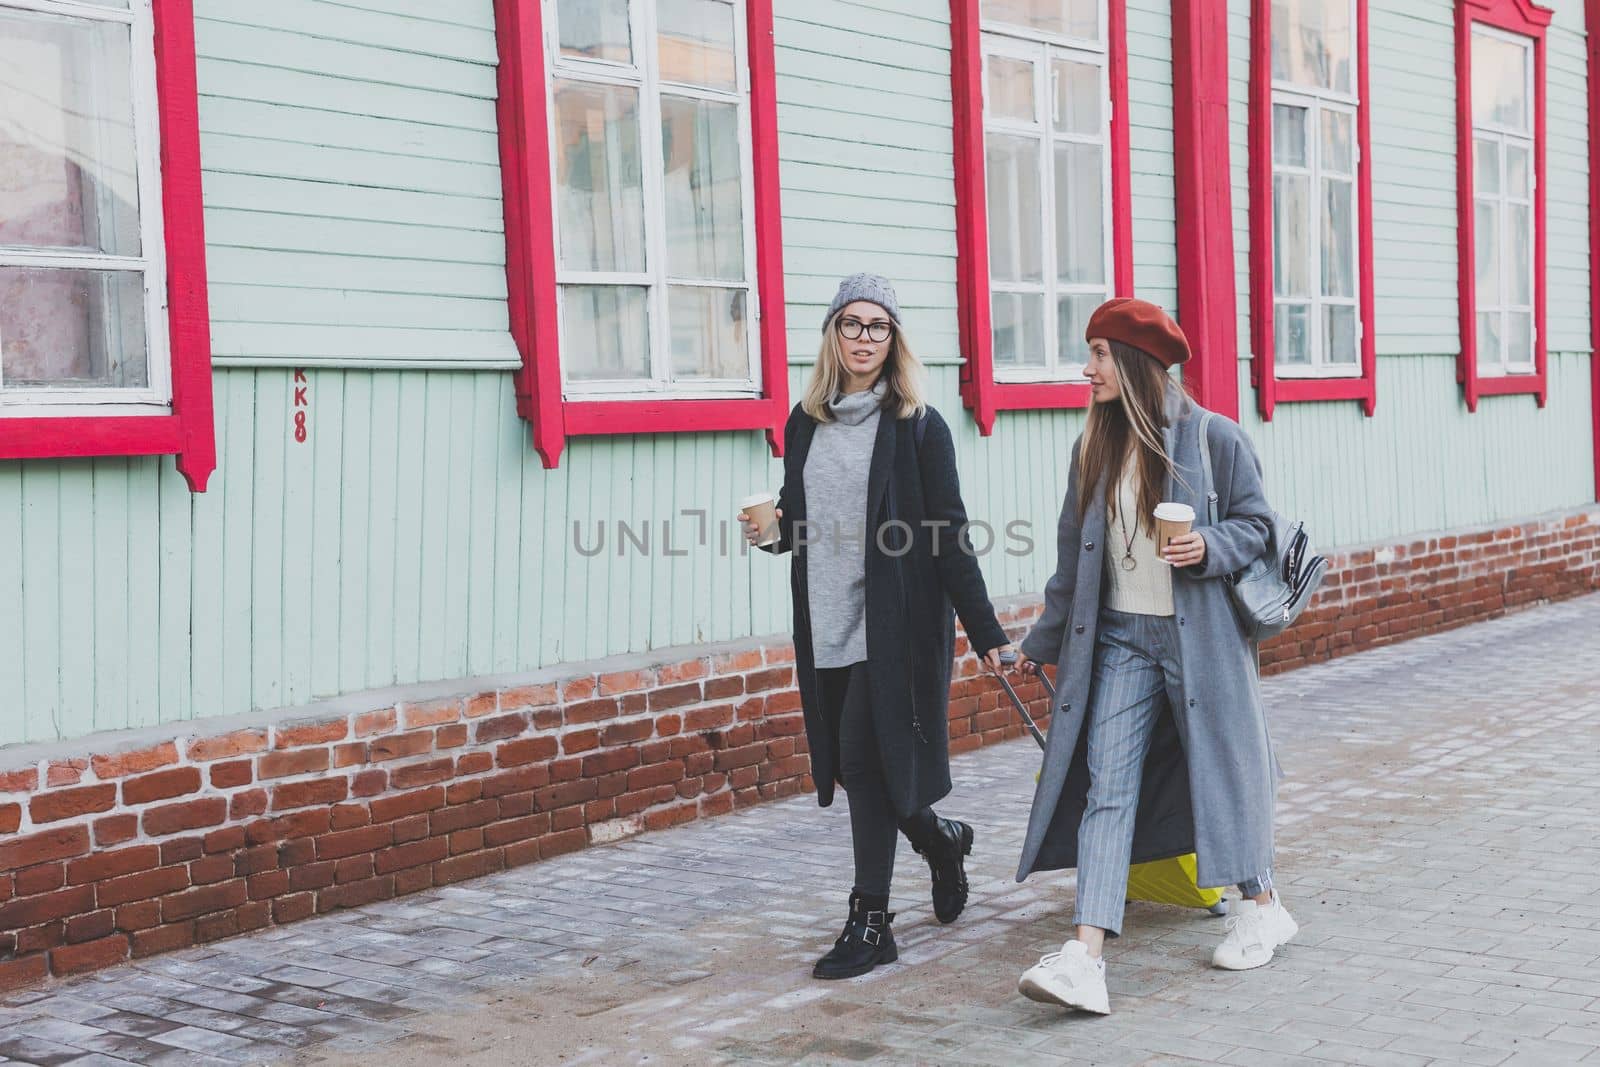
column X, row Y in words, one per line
column 1046, row 991
column 1250, row 963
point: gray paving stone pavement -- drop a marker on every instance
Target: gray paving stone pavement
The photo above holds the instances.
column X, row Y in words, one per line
column 1436, row 842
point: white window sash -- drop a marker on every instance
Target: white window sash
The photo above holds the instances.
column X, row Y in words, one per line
column 643, row 74
column 1501, row 364
column 1005, row 40
column 1315, row 103
column 156, row 397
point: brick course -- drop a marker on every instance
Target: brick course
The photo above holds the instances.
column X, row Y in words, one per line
column 203, row 837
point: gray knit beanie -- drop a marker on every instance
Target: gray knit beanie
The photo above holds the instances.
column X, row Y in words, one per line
column 873, row 287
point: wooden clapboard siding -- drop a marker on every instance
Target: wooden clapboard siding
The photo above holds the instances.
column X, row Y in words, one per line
column 416, row 536
column 352, row 179
column 1419, row 463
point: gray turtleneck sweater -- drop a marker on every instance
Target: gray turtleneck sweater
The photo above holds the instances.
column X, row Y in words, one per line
column 836, row 517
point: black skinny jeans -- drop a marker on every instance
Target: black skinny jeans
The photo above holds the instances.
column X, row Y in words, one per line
column 846, row 694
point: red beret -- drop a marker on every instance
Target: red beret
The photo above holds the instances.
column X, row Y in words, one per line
column 1141, row 324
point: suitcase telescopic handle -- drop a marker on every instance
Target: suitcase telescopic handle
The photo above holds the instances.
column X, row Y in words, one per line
column 1007, row 659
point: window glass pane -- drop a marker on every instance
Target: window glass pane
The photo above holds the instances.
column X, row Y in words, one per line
column 1291, row 330
column 1519, row 255
column 1339, row 334
column 1338, row 142
column 605, row 332
column 709, row 336
column 1490, row 357
column 1015, row 217
column 696, row 41
column 1486, row 166
column 1338, row 238
column 704, row 196
column 67, row 162
column 1499, row 81
column 1289, row 135
column 1519, row 337
column 1071, row 18
column 1517, row 171
column 1080, row 213
column 1077, row 93
column 1010, row 94
column 1312, row 41
column 599, row 184
column 595, row 29
column 72, row 328
column 1486, row 236
column 1017, row 328
column 1291, row 240
column 1072, row 315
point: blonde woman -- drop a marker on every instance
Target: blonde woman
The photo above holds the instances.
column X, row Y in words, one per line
column 871, row 509
column 1158, row 744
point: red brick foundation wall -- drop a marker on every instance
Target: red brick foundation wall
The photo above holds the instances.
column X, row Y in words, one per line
column 117, row 852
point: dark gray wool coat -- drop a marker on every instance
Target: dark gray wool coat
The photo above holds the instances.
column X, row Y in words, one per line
column 1210, row 777
column 910, row 622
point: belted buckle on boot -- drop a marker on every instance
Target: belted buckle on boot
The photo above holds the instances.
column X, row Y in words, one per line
column 871, row 936
column 880, row 920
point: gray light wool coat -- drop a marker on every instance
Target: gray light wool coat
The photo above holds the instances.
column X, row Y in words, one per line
column 1210, row 778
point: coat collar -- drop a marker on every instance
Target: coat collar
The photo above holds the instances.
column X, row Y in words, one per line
column 1180, row 409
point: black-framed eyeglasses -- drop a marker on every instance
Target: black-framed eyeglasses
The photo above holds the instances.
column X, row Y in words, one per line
column 878, row 332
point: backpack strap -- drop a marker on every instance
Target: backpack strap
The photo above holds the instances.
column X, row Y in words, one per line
column 1205, row 465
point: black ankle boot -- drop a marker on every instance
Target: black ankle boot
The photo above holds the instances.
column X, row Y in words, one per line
column 945, row 848
column 866, row 941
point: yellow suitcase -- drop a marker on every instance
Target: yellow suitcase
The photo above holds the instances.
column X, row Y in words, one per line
column 1170, row 881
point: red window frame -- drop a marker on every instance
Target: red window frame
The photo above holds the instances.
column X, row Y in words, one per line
column 1531, row 21
column 1271, row 389
column 979, row 391
column 1591, row 18
column 188, row 431
column 525, row 163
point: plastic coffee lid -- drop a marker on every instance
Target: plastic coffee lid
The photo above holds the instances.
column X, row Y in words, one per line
column 1174, row 512
column 755, row 498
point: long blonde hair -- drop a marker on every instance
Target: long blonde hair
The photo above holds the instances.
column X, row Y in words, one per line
column 903, row 376
column 1134, row 421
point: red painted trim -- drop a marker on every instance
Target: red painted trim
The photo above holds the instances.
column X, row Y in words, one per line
column 670, row 415
column 982, row 395
column 769, row 217
column 1591, row 15
column 1529, row 20
column 529, row 215
column 1270, row 388
column 1207, row 290
column 525, row 168
column 189, row 432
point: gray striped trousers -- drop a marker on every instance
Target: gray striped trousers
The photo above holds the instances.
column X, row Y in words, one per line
column 1136, row 663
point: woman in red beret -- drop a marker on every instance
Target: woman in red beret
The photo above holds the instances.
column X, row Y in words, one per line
column 1158, row 746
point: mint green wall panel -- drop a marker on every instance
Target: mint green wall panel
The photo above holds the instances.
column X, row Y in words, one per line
column 352, row 181
column 1423, row 462
column 415, row 536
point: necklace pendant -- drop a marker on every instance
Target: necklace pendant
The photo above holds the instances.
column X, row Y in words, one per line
column 1129, row 563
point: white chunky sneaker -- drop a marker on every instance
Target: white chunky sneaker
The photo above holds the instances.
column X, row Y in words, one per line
column 1070, row 978
column 1254, row 934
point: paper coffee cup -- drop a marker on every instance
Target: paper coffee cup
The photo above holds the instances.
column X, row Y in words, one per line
column 762, row 509
column 1172, row 520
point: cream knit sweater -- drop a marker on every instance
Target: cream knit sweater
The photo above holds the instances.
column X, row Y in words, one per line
column 1147, row 588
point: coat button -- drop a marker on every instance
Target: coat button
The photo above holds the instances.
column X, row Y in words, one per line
column 1077, row 629
column 1088, row 546
column 1193, row 702
column 1181, row 620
